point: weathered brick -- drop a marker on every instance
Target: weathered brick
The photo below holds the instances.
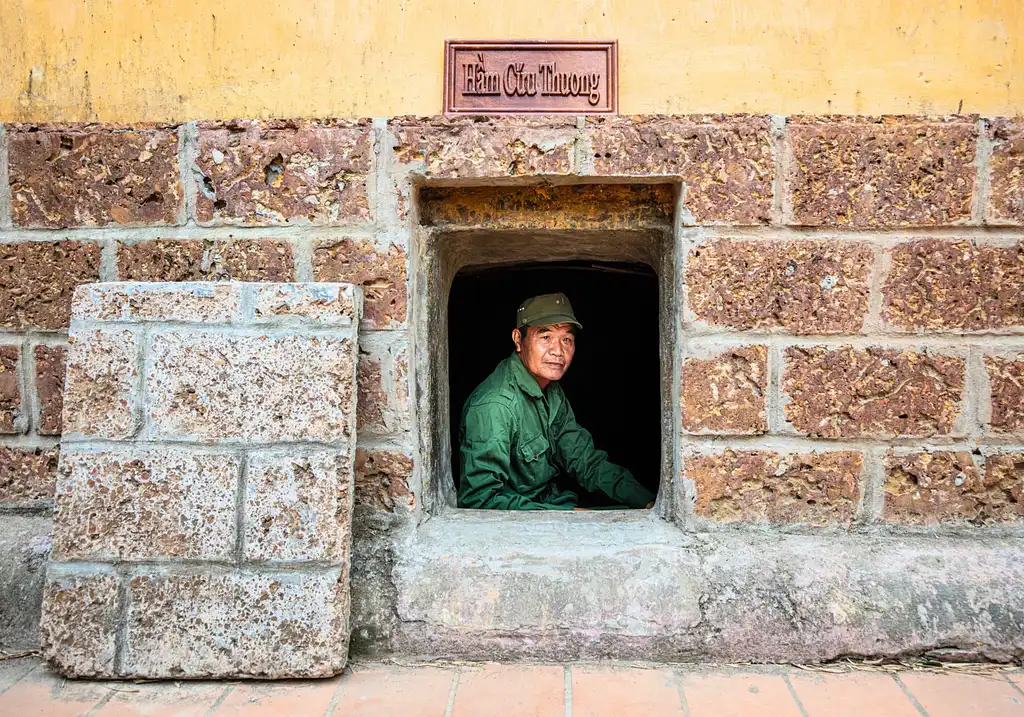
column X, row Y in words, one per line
column 844, row 392
column 280, row 172
column 207, row 386
column 144, row 505
column 876, row 172
column 578, row 206
column 761, row 486
column 1006, row 173
column 464, row 147
column 78, row 629
column 938, row 284
column 805, row 287
column 298, row 507
column 50, row 368
column 726, row 392
column 946, row 486
column 1004, row 473
column 382, row 480
column 277, row 625
column 725, row 164
column 1006, row 382
column 100, row 396
column 199, row 302
column 88, row 175
column 11, row 420
column 38, row 279
column 27, row 474
column 381, row 273
column 383, row 401
column 199, row 260
column 323, row 304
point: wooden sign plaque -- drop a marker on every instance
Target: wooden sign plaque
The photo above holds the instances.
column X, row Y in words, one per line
column 508, row 77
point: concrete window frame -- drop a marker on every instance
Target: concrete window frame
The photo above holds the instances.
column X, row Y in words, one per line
column 440, row 252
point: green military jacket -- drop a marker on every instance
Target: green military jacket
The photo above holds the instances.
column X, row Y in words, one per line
column 515, row 439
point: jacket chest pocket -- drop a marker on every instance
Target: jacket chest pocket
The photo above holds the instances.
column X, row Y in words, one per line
column 535, row 456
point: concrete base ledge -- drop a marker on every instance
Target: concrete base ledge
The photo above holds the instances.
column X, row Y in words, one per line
column 480, row 587
column 24, row 547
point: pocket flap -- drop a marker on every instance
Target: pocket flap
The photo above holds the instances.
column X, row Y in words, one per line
column 534, row 448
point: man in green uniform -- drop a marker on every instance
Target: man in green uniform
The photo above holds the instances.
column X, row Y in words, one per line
column 518, row 433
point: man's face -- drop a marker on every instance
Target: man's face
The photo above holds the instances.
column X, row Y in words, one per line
column 546, row 351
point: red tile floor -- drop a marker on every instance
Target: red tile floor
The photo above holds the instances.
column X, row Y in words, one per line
column 28, row 689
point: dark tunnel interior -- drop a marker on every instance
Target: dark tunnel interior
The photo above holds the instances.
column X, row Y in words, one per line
column 614, row 382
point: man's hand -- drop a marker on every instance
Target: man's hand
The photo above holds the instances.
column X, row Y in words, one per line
column 650, row 505
column 581, row 508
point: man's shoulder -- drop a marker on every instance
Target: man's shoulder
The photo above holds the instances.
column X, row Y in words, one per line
column 497, row 389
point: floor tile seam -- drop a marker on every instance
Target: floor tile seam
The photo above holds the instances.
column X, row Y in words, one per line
column 450, row 705
column 1013, row 684
column 567, row 690
column 793, row 694
column 910, row 696
column 336, row 695
column 677, row 676
column 103, row 700
column 219, row 701
column 21, row 677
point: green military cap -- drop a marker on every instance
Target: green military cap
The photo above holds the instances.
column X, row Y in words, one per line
column 546, row 310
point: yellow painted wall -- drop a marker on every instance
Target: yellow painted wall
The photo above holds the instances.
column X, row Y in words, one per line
column 131, row 60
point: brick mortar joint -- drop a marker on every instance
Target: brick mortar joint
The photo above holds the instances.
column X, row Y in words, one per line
column 984, row 145
column 6, row 212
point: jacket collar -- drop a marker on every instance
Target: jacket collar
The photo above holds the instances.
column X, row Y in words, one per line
column 522, row 378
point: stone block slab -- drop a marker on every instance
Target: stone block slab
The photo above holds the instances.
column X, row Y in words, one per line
column 298, row 507
column 199, row 302
column 27, row 474
column 380, row 271
column 283, row 172
column 725, row 164
column 1006, row 173
column 101, row 389
column 725, row 393
column 1006, row 393
column 79, row 620
column 24, row 547
column 89, row 176
column 243, row 623
column 845, row 392
column 208, row 386
column 145, row 505
column 51, row 362
column 950, row 285
column 38, row 280
column 383, row 385
column 947, row 486
column 803, row 287
column 382, row 480
column 879, row 172
column 206, row 260
column 12, row 418
column 768, row 487
column 468, row 147
column 320, row 304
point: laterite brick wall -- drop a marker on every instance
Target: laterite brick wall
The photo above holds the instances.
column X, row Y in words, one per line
column 851, row 291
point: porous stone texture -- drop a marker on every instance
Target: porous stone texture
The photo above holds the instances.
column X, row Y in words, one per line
column 846, row 391
column 725, row 163
column 382, row 480
column 38, row 279
column 768, row 487
column 207, row 386
column 950, row 285
column 27, row 474
column 379, row 271
column 24, row 546
column 91, row 175
column 876, row 172
column 1005, row 472
column 282, row 172
column 325, row 304
column 78, row 629
column 199, row 260
column 1006, row 173
column 383, row 402
column 947, row 486
column 1006, row 382
column 238, row 623
column 144, row 505
column 468, row 147
column 100, row 395
column 10, row 390
column 726, row 393
column 200, row 302
column 50, row 368
column 294, row 503
column 580, row 206
column 804, row 286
